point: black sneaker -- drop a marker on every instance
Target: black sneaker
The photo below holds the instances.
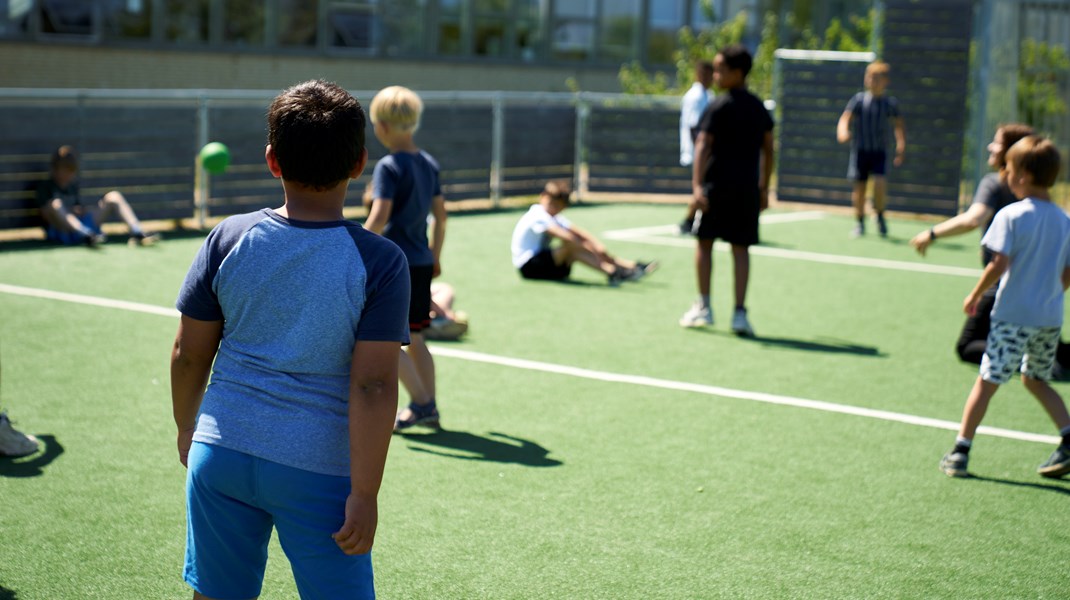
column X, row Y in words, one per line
column 144, row 239
column 953, row 464
column 619, row 276
column 1058, row 464
column 94, row 240
column 882, row 227
column 642, row 269
column 687, row 226
column 426, row 415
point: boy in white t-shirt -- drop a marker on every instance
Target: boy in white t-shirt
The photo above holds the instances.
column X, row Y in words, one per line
column 536, row 257
column 1030, row 242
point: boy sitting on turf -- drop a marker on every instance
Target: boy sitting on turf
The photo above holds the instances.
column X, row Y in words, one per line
column 865, row 123
column 1030, row 245
column 303, row 313
column 406, row 189
column 68, row 221
column 543, row 223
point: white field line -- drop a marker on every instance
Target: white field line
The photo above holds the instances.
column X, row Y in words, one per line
column 657, row 235
column 531, row 365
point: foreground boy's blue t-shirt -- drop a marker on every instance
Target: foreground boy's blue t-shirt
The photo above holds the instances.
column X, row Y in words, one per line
column 294, row 297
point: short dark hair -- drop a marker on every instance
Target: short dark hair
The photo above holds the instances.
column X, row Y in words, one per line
column 737, row 57
column 1011, row 133
column 1037, row 156
column 558, row 189
column 316, row 130
column 64, row 156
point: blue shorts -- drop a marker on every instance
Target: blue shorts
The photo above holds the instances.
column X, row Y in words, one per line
column 865, row 163
column 72, row 238
column 234, row 499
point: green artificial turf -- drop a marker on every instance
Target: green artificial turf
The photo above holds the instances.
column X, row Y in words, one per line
column 557, row 485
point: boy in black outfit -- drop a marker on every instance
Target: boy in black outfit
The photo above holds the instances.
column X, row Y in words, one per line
column 730, row 181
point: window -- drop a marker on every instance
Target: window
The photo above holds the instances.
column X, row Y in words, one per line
column 574, row 29
column 450, row 31
column 619, row 30
column 186, row 21
column 124, row 19
column 352, row 24
column 297, row 23
column 666, row 19
column 66, row 17
column 15, row 17
column 243, row 22
column 403, row 27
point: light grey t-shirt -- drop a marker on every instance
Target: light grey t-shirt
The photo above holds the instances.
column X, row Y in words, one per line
column 1035, row 236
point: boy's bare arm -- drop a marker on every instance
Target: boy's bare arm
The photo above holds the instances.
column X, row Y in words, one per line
column 965, row 222
column 438, row 230
column 378, row 215
column 900, row 141
column 703, row 150
column 196, row 344
column 373, row 400
column 843, row 127
column 767, row 169
column 989, row 277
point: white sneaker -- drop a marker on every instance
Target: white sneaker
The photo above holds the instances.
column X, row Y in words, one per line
column 14, row 442
column 740, row 324
column 697, row 316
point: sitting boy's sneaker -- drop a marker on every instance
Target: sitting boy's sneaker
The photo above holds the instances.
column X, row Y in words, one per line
column 144, row 239
column 13, row 442
column 95, row 240
column 740, row 324
column 1058, row 464
column 697, row 316
column 445, row 329
column 619, row 276
column 426, row 415
column 642, row 269
column 953, row 464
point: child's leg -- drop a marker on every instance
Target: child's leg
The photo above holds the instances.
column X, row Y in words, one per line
column 741, row 263
column 976, row 406
column 570, row 253
column 880, row 188
column 422, row 363
column 1050, row 400
column 114, row 202
column 410, row 379
column 858, row 199
column 704, row 266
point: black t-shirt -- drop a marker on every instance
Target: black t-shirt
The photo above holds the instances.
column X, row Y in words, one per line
column 738, row 122
column 47, row 190
column 993, row 193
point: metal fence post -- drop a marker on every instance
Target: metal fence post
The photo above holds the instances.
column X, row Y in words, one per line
column 497, row 149
column 580, row 173
column 202, row 187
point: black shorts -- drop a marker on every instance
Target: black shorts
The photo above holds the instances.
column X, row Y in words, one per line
column 732, row 215
column 420, row 297
column 865, row 163
column 542, row 266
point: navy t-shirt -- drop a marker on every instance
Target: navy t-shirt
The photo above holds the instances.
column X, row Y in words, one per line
column 410, row 180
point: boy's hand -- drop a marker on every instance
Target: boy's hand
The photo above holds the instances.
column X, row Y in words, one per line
column 842, row 137
column 969, row 305
column 898, row 158
column 436, row 270
column 921, row 242
column 698, row 198
column 358, row 532
column 185, row 440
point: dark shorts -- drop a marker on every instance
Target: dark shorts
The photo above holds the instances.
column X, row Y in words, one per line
column 72, row 238
column 420, row 297
column 865, row 163
column 732, row 216
column 542, row 266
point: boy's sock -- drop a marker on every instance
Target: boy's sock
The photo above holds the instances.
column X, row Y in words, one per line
column 136, row 231
column 962, row 445
column 704, row 300
column 1065, row 432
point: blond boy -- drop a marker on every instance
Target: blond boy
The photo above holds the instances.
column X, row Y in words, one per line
column 405, row 190
column 865, row 123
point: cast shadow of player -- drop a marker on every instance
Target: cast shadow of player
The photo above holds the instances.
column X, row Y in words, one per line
column 8, row 594
column 823, row 344
column 1048, row 487
column 34, row 465
column 496, row 447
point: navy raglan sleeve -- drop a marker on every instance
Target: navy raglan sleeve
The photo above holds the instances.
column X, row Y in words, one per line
column 385, row 316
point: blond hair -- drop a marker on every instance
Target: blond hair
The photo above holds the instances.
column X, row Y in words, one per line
column 398, row 107
column 878, row 67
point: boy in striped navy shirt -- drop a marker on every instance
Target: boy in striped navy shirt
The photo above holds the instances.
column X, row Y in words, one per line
column 865, row 123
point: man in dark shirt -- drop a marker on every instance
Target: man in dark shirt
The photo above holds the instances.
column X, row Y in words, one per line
column 730, row 182
column 68, row 220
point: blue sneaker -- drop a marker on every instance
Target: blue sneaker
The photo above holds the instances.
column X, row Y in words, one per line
column 426, row 415
column 1058, row 464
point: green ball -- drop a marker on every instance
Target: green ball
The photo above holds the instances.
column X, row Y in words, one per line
column 214, row 157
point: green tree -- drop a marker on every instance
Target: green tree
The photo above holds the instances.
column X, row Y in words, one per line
column 1042, row 65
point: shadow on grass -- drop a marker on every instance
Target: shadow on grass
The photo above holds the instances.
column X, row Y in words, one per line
column 496, row 447
column 115, row 240
column 7, row 594
column 1048, row 487
column 830, row 345
column 32, row 465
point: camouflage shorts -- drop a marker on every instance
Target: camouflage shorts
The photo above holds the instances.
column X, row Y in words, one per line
column 1012, row 348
